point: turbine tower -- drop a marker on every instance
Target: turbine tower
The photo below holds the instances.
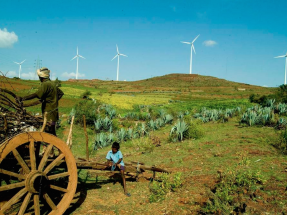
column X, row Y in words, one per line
column 285, row 64
column 20, row 67
column 77, row 56
column 192, row 47
column 118, row 55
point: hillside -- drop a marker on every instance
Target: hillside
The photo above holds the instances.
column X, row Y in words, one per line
column 194, row 89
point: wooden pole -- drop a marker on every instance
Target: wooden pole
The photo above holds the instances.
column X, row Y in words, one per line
column 87, row 138
column 69, row 140
column 45, row 122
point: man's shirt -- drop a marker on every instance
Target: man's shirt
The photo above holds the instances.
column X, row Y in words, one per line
column 115, row 157
column 48, row 94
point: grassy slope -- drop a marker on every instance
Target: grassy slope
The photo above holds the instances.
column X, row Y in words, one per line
column 198, row 160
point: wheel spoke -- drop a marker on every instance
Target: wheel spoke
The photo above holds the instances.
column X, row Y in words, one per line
column 6, row 172
column 50, row 201
column 54, row 163
column 12, row 186
column 60, row 175
column 13, row 200
column 37, row 204
column 25, row 204
column 32, row 155
column 58, row 188
column 45, row 157
column 21, row 161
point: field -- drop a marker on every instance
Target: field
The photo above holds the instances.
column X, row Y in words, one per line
column 231, row 168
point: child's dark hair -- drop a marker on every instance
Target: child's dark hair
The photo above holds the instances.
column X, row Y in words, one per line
column 116, row 145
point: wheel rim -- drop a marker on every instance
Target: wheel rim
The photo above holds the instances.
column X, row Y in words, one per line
column 34, row 183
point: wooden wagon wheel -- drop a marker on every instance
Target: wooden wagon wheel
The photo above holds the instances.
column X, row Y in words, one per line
column 33, row 183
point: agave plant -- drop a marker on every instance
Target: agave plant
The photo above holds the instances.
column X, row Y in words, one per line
column 160, row 122
column 141, row 130
column 107, row 123
column 122, row 135
column 101, row 141
column 130, row 133
column 180, row 129
column 152, row 125
column 98, row 124
column 168, row 119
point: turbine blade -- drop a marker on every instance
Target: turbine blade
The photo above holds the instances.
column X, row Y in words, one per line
column 193, row 48
column 81, row 56
column 23, row 61
column 115, row 57
column 117, row 49
column 195, row 38
column 280, row 56
column 16, row 62
column 123, row 55
column 74, row 57
column 185, row 42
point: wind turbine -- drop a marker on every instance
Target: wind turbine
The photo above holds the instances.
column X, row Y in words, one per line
column 192, row 47
column 118, row 55
column 285, row 64
column 77, row 56
column 20, row 67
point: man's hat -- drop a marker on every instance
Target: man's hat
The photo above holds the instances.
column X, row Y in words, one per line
column 43, row 72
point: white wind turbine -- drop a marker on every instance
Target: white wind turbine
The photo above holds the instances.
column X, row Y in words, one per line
column 77, row 56
column 192, row 47
column 118, row 55
column 20, row 67
column 285, row 65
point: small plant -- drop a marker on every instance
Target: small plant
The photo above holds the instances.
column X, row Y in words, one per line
column 179, row 131
column 86, row 94
column 195, row 130
column 233, row 184
column 58, row 83
column 166, row 184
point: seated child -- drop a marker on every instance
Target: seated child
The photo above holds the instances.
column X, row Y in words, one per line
column 115, row 161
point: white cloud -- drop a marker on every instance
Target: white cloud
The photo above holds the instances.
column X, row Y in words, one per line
column 209, row 43
column 72, row 75
column 7, row 39
column 30, row 76
column 12, row 74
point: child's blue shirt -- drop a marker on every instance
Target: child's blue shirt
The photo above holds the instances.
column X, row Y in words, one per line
column 115, row 157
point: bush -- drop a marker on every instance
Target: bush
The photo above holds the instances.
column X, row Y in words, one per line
column 167, row 183
column 233, row 184
column 281, row 142
column 86, row 94
column 195, row 130
column 58, row 83
column 87, row 108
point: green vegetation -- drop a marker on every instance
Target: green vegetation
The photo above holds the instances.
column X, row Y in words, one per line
column 165, row 184
column 218, row 166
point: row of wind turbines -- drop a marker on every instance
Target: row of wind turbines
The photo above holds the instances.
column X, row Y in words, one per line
column 192, row 48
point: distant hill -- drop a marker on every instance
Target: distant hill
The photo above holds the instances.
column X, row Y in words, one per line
column 175, row 82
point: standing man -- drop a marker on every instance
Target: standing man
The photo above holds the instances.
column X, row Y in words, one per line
column 49, row 95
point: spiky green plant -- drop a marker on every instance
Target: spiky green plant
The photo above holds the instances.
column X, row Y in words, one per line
column 180, row 129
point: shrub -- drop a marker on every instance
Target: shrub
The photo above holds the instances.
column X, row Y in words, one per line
column 87, row 108
column 195, row 130
column 233, row 184
column 166, row 184
column 281, row 142
column 86, row 94
column 58, row 83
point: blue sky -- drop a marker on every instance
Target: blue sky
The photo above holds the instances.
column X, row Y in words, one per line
column 248, row 35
